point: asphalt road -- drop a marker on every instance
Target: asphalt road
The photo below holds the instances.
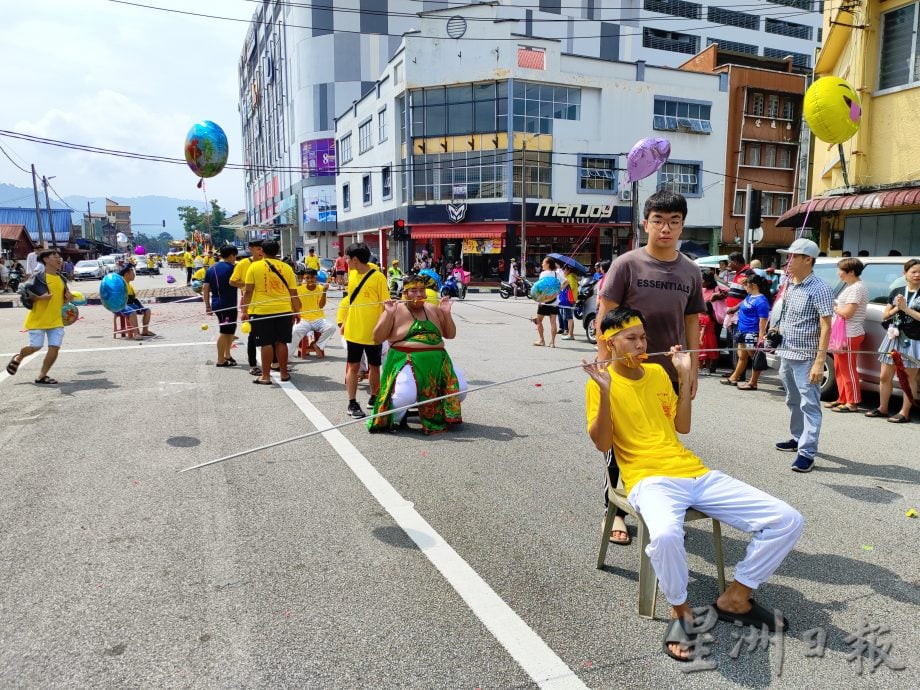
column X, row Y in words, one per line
column 464, row 560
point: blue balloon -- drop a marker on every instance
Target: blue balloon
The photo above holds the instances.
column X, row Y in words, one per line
column 113, row 292
column 545, row 290
column 321, row 277
column 432, row 275
column 196, row 286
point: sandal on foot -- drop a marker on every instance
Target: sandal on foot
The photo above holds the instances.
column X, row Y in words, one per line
column 831, row 406
column 260, row 382
column 899, row 419
column 539, row 343
column 224, row 364
column 46, row 381
column 845, row 409
column 255, row 371
column 728, row 382
column 756, row 616
column 285, row 379
column 876, row 413
column 746, row 387
column 13, row 366
column 677, row 634
column 620, row 526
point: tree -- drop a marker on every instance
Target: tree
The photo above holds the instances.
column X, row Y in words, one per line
column 207, row 223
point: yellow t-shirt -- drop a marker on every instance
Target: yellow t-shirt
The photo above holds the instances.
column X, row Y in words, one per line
column 352, row 278
column 270, row 294
column 312, row 262
column 645, row 442
column 151, row 263
column 208, row 261
column 199, row 274
column 189, row 260
column 362, row 316
column 46, row 313
column 239, row 270
column 432, row 297
column 131, row 293
column 309, row 303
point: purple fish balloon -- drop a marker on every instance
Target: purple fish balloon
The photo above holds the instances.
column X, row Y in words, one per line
column 646, row 157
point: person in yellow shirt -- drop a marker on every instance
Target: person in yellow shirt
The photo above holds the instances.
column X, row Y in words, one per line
column 631, row 407
column 208, row 259
column 238, row 280
column 312, row 318
column 134, row 306
column 44, row 319
column 312, row 260
column 270, row 300
column 189, row 260
column 368, row 290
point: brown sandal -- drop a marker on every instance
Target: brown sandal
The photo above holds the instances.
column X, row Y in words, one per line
column 13, row 366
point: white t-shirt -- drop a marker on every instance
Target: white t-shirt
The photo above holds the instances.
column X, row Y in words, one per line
column 857, row 294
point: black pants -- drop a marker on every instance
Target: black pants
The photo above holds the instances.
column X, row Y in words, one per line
column 188, row 275
column 611, row 478
column 251, row 351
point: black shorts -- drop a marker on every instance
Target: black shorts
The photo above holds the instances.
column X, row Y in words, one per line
column 227, row 320
column 355, row 350
column 547, row 310
column 340, row 273
column 268, row 329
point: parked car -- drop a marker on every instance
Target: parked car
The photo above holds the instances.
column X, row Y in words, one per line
column 327, row 266
column 141, row 267
column 109, row 262
column 881, row 275
column 89, row 269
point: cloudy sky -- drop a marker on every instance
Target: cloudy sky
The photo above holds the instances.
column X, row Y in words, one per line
column 119, row 77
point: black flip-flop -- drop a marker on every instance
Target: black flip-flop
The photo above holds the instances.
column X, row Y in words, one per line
column 876, row 413
column 757, row 617
column 13, row 366
column 843, row 409
column 260, row 382
column 46, row 381
column 898, row 419
column 285, row 379
column 676, row 633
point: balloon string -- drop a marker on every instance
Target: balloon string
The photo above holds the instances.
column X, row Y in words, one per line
column 801, row 231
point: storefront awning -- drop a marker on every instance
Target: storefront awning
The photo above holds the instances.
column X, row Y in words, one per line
column 457, row 232
column 818, row 207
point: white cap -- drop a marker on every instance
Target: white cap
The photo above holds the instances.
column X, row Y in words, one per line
column 802, row 246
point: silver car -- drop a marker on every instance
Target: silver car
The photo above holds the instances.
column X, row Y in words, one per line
column 89, row 269
column 881, row 275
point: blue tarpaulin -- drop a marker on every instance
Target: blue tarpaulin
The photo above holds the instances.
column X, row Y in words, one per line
column 27, row 217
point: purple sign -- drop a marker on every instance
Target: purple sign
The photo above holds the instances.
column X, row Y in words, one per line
column 317, row 158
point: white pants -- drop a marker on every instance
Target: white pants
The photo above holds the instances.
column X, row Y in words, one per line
column 305, row 328
column 663, row 502
column 405, row 392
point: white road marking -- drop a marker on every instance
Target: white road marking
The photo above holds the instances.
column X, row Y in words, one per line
column 527, row 648
column 4, row 375
column 146, row 345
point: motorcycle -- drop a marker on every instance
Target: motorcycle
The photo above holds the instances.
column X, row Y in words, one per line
column 521, row 289
column 396, row 286
column 15, row 279
column 586, row 307
column 453, row 287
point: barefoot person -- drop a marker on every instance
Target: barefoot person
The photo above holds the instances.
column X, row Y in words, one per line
column 631, row 407
column 44, row 320
column 417, row 367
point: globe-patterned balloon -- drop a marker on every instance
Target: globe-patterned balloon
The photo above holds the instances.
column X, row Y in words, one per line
column 69, row 314
column 206, row 148
column 113, row 292
column 77, row 298
column 321, row 277
column 545, row 290
column 196, row 286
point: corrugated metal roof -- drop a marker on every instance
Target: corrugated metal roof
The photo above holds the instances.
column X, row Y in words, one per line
column 26, row 216
column 813, row 209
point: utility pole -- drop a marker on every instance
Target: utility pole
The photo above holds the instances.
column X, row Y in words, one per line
column 38, row 213
column 524, row 210
column 48, row 206
column 634, row 212
column 90, row 228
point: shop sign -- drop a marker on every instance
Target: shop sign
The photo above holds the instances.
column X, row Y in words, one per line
column 594, row 211
column 456, row 213
column 492, row 245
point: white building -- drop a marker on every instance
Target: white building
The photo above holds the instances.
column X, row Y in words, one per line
column 303, row 64
column 439, row 138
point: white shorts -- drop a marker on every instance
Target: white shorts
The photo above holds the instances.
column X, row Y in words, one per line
column 37, row 337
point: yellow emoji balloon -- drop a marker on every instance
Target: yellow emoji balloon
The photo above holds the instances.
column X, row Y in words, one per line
column 832, row 110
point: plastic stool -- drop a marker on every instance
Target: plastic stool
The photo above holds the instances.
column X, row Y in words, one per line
column 119, row 326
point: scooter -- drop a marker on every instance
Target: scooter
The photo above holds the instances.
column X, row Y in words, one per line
column 586, row 288
column 396, row 286
column 15, row 279
column 453, row 287
column 521, row 289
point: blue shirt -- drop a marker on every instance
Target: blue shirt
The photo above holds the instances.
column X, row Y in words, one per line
column 750, row 311
column 223, row 295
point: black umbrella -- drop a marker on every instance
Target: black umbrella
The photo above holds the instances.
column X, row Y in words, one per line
column 694, row 250
column 570, row 262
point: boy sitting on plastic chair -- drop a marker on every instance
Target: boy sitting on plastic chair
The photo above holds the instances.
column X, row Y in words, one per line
column 632, row 407
column 133, row 307
column 312, row 316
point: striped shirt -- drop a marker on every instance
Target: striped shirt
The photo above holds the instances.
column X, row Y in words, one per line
column 804, row 304
column 857, row 294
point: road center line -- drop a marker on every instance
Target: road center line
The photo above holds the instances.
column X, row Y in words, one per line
column 527, row 648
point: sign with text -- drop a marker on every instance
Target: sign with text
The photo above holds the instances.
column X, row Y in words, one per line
column 491, row 245
column 592, row 211
column 317, row 158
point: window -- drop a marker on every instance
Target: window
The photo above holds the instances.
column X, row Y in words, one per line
column 742, row 20
column 676, row 8
column 785, row 157
column 738, row 207
column 672, row 41
column 539, row 174
column 781, row 204
column 365, row 141
column 788, row 108
column 386, row 183
column 346, row 197
column 458, row 110
column 401, row 115
column 366, row 189
column 769, row 156
column 798, row 59
column 734, row 46
column 753, row 154
column 772, row 106
column 597, row 174
column 468, row 175
column 382, row 126
column 807, row 5
column 757, row 104
column 679, row 115
column 898, row 61
column 535, row 106
column 345, row 148
column 680, row 177
column 397, row 73
column 791, row 29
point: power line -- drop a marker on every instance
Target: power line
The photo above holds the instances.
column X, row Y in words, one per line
column 14, row 162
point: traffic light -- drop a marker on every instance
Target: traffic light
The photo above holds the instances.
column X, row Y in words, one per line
column 399, row 229
column 754, row 212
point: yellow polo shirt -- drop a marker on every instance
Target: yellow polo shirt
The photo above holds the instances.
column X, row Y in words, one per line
column 270, row 293
column 645, row 442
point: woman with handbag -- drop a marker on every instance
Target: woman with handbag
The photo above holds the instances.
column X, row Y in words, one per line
column 902, row 318
column 849, row 317
column 753, row 316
